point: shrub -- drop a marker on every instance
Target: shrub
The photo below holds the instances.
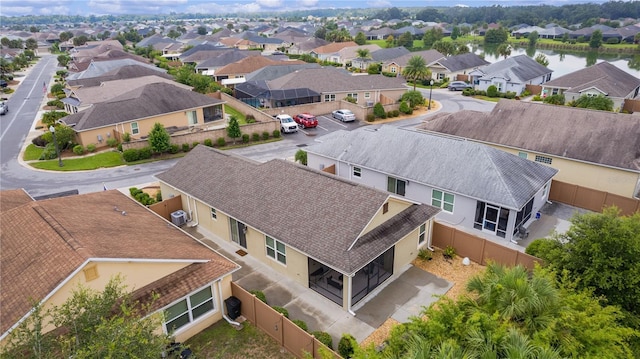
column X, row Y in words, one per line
column 301, row 324
column 56, row 103
column 536, row 98
column 389, row 114
column 281, row 310
column 378, row 110
column 49, row 152
column 324, row 338
column 185, row 147
column 126, row 137
column 395, row 113
column 492, row 91
column 545, row 247
column 556, row 99
column 265, row 135
column 468, row 92
column 134, row 191
column 346, row 345
column 159, row 196
column 276, row 133
column 221, row 142
column 245, row 138
column 194, row 144
column 255, row 137
column 112, row 142
column 91, row 147
column 404, row 108
column 259, row 294
column 208, row 142
column 131, row 155
column 414, row 98
column 78, row 150
column 350, row 99
column 449, row 252
column 425, row 254
column 250, row 118
column 370, row 117
column 173, row 149
column 145, row 153
column 613, row 40
column 119, row 147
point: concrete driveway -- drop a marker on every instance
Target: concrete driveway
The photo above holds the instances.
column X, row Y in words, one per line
column 400, row 297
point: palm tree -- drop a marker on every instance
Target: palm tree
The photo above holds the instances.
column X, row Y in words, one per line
column 504, row 50
column 416, row 69
column 363, row 54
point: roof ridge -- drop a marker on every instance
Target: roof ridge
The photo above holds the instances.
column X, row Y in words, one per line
column 61, row 231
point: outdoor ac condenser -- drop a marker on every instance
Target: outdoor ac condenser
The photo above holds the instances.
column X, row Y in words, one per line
column 179, row 218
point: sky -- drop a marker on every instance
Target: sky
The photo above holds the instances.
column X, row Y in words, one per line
column 153, row 7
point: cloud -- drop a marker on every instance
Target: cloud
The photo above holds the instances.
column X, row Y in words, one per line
column 34, row 7
column 307, row 3
column 215, row 8
column 270, row 3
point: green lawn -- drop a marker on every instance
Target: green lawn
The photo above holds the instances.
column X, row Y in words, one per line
column 233, row 112
column 100, row 160
column 222, row 341
column 32, row 153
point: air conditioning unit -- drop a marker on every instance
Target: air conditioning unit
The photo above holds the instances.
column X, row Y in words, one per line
column 179, row 218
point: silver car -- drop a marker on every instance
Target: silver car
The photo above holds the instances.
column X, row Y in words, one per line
column 344, row 115
column 4, row 108
column 459, row 86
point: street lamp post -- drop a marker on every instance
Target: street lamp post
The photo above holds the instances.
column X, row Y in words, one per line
column 55, row 144
column 430, row 90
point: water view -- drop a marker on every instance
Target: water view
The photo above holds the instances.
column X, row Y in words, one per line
column 564, row 63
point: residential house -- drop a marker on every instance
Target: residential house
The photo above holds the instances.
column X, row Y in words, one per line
column 235, row 73
column 135, row 112
column 600, row 79
column 592, row 149
column 326, row 84
column 119, row 73
column 101, row 68
column 81, row 98
column 306, row 46
column 330, row 51
column 212, row 63
column 350, row 54
column 397, row 65
column 52, row 246
column 457, row 66
column 379, row 34
column 479, row 188
column 511, row 74
column 548, row 32
column 203, row 52
column 336, row 237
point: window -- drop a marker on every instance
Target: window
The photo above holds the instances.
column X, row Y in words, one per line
column 440, row 76
column 522, row 155
column 214, row 213
column 189, row 309
column 192, row 117
column 357, row 172
column 367, row 95
column 276, row 250
column 393, row 69
column 134, row 128
column 442, row 200
column 353, row 96
column 544, row 190
column 396, row 186
column 543, row 159
column 498, row 86
column 329, row 97
column 421, row 236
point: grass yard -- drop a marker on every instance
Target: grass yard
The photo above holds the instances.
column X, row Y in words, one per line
column 222, row 341
column 233, row 112
column 32, row 153
column 100, row 160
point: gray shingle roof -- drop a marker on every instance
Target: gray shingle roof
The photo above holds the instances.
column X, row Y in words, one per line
column 463, row 167
column 383, row 55
column 600, row 137
column 462, row 62
column 604, row 76
column 330, row 79
column 329, row 213
column 518, row 69
column 120, row 73
column 146, row 101
column 99, row 68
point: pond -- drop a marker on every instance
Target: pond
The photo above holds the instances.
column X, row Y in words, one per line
column 564, row 63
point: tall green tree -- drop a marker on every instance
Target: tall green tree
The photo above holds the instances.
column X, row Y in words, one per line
column 431, row 36
column 455, row 33
column 92, row 324
column 159, row 139
column 360, row 39
column 363, row 53
column 446, row 48
column 595, row 41
column 416, row 69
column 233, row 129
column 533, row 38
column 496, row 36
column 31, row 43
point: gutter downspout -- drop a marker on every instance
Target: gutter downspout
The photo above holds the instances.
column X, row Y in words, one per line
column 430, row 236
column 189, row 198
column 349, row 297
column 232, row 322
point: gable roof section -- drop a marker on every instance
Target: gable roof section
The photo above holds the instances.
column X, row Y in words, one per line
column 99, row 68
column 14, row 198
column 463, row 167
column 462, row 62
column 599, row 137
column 120, row 73
column 429, row 56
column 333, row 47
column 146, row 101
column 389, row 54
column 516, row 69
column 236, row 186
column 273, row 72
column 330, row 79
column 252, row 63
column 44, row 242
column 610, row 79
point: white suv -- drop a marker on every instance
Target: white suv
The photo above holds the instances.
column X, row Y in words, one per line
column 287, row 124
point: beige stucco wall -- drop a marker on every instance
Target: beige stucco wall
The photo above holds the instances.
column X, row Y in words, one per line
column 407, row 248
column 584, row 174
column 395, row 206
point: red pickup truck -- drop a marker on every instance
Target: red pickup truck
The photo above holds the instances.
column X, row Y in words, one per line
column 306, row 120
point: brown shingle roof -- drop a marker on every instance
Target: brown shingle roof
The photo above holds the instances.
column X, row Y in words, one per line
column 250, row 64
column 329, row 212
column 600, row 137
column 13, row 198
column 44, row 242
column 330, row 79
column 124, row 72
column 333, row 47
column 604, row 76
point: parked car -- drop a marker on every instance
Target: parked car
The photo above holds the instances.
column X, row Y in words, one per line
column 287, row 124
column 4, row 108
column 344, row 115
column 3, row 83
column 458, row 86
column 306, row 120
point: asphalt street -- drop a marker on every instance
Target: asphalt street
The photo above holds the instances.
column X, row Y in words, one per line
column 24, row 104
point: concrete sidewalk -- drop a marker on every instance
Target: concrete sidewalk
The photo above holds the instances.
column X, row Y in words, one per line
column 403, row 295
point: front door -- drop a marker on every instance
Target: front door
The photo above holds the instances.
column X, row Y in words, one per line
column 239, row 233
